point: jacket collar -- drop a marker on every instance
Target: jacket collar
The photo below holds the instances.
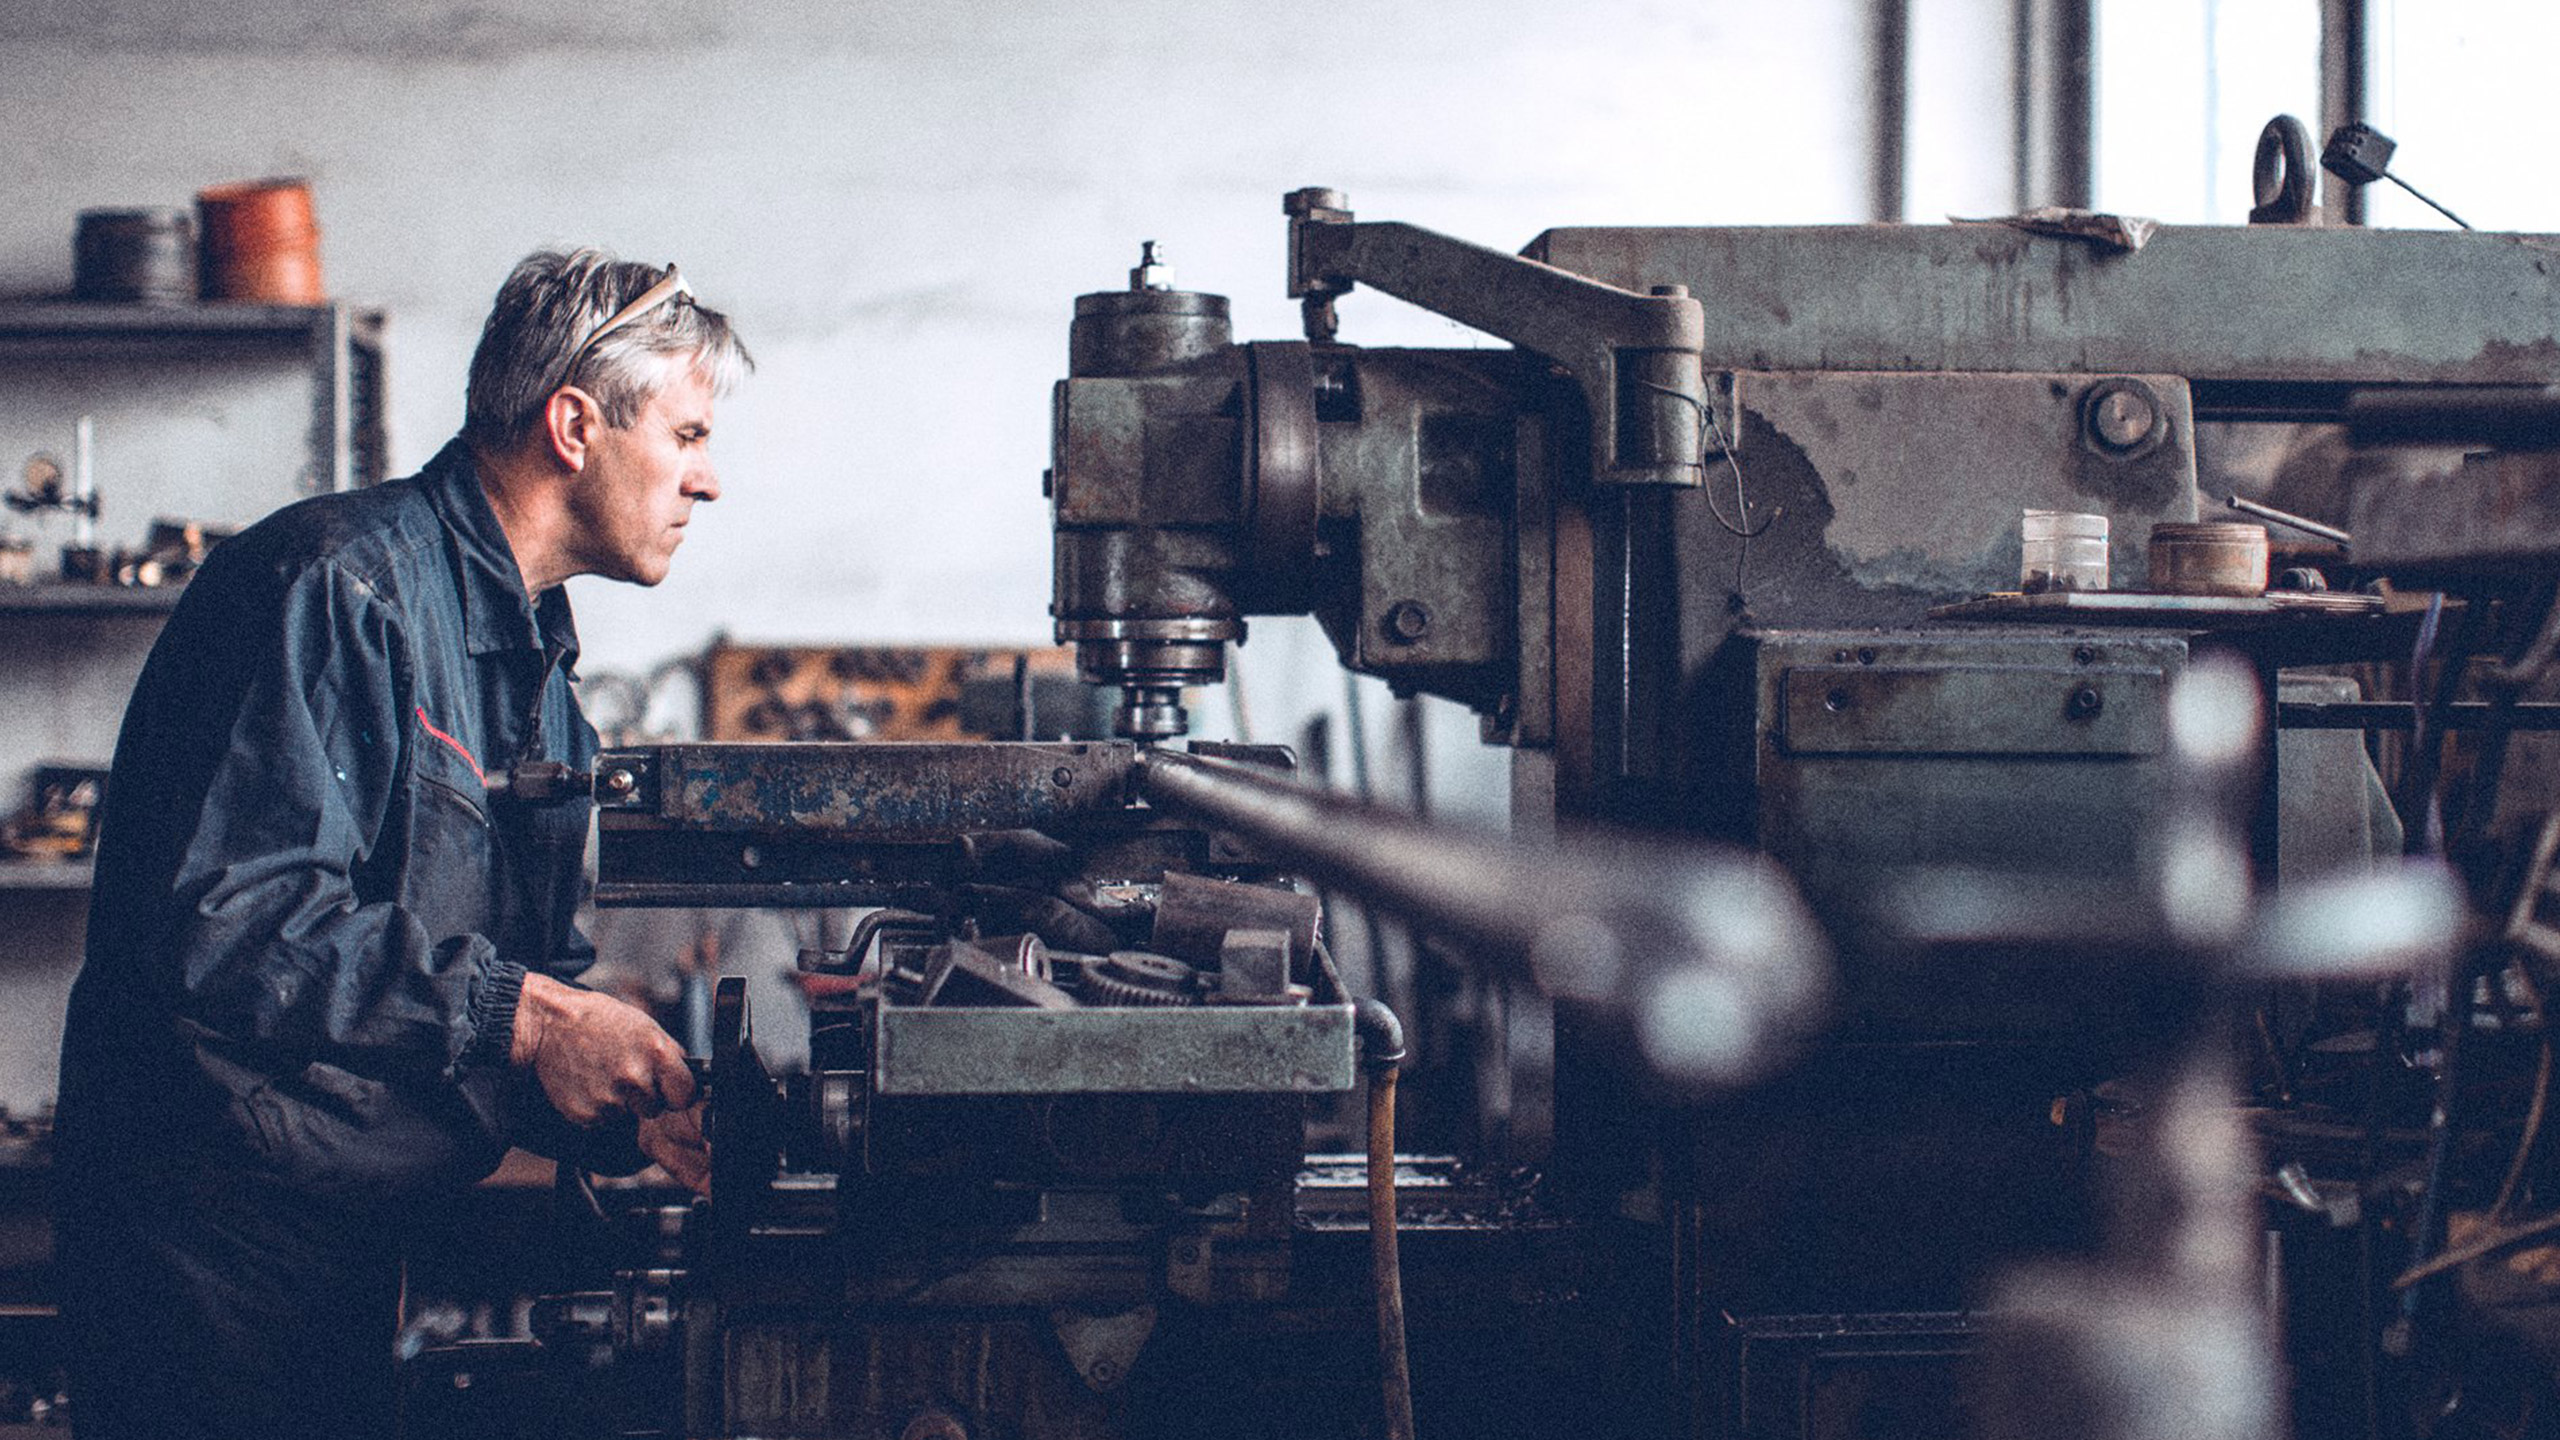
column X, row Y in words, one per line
column 496, row 614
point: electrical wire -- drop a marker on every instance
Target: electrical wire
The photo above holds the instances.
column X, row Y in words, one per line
column 1709, row 425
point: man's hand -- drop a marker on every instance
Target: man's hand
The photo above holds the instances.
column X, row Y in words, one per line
column 675, row 1141
column 595, row 1055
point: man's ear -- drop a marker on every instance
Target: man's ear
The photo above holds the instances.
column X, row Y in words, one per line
column 571, row 419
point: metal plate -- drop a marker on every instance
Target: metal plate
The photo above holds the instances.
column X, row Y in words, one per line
column 2276, row 303
column 1208, row 1050
column 1971, row 710
column 2169, row 612
column 867, row 792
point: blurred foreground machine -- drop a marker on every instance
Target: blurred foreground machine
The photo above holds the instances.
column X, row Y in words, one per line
column 1680, row 548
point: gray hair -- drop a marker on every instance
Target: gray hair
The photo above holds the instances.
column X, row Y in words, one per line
column 545, row 318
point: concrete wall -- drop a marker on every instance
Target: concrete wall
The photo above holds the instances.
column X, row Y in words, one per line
column 898, row 203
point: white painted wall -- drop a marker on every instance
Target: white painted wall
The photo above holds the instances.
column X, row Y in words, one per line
column 898, row 203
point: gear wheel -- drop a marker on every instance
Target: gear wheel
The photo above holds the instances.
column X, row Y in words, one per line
column 1134, row 977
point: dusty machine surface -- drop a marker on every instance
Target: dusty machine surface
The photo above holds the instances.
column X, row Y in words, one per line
column 1992, row 1017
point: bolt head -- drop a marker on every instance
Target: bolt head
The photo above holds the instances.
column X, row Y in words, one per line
column 2122, row 417
column 1407, row 621
column 619, row 781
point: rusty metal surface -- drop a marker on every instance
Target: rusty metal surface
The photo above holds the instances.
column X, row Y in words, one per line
column 1220, row 1050
column 2264, row 303
column 872, row 792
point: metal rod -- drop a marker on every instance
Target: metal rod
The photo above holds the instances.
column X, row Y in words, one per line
column 1889, row 38
column 2056, row 102
column 2287, row 518
column 1708, row 954
column 2344, row 70
column 84, row 482
column 2422, row 198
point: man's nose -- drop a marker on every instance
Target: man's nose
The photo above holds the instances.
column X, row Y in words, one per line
column 703, row 483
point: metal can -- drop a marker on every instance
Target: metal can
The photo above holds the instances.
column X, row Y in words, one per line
column 261, row 243
column 146, row 254
column 2211, row 557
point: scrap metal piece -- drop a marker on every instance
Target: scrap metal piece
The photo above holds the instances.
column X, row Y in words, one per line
column 1253, row 968
column 2118, row 234
column 963, row 972
column 1194, row 914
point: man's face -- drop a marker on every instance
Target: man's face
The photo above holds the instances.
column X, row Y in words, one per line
column 639, row 486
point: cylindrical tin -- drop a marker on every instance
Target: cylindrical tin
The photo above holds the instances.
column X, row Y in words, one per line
column 2213, row 557
column 146, row 254
column 261, row 243
column 2060, row 550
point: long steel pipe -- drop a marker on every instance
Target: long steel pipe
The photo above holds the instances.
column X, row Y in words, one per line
column 1707, row 953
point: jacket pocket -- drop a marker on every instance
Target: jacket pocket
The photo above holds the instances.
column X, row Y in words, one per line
column 449, row 882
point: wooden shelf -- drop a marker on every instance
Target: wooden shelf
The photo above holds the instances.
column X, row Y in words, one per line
column 54, row 597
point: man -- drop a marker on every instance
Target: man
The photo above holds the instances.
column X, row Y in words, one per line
column 328, row 968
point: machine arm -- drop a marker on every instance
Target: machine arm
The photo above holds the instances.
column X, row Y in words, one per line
column 1635, row 356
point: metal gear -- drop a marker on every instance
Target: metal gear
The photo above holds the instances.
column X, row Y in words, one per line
column 1134, row 977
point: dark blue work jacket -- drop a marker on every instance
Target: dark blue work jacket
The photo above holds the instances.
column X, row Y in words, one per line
column 311, row 920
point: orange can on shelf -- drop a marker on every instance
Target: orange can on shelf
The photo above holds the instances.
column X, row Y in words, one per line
column 260, row 242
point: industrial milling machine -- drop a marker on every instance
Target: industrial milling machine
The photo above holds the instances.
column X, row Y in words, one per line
column 1898, row 939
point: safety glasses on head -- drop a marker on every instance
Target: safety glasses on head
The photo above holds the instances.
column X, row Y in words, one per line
column 668, row 287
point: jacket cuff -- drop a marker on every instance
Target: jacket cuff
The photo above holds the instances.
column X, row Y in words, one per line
column 494, row 993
